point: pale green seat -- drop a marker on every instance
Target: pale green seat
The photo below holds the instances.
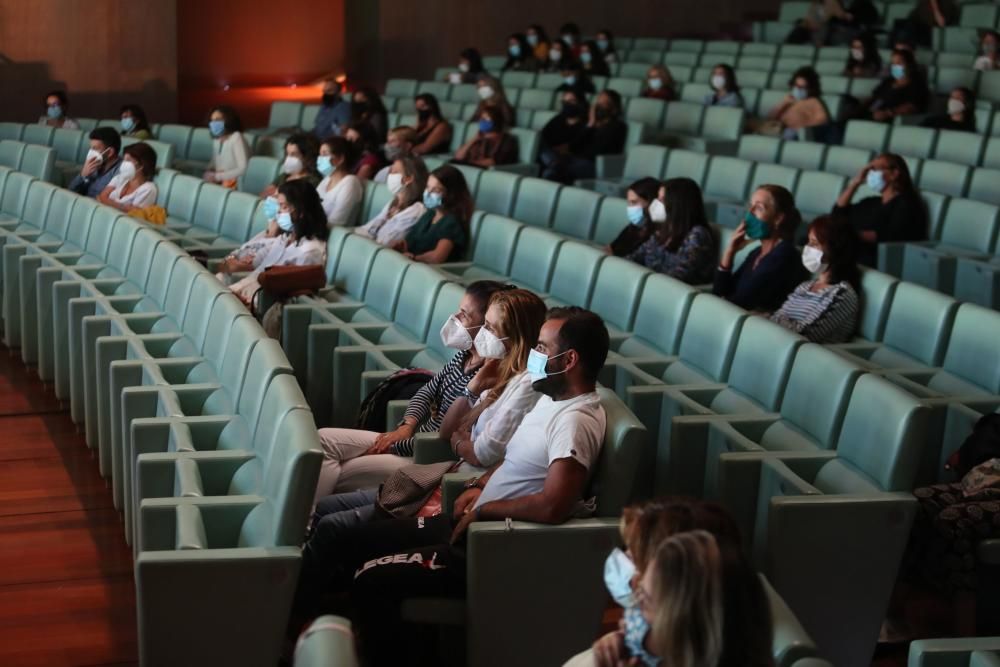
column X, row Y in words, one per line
column 40, row 135
column 867, row 134
column 991, row 154
column 237, row 219
column 816, row 192
column 261, row 172
column 616, row 294
column 575, row 274
column 401, row 88
column 625, row 87
column 67, row 146
column 805, row 155
column 640, row 161
column 492, row 253
column 10, row 153
column 847, row 161
column 533, row 99
column 946, row 79
column 959, row 652
column 535, row 259
column 687, row 164
column 199, row 152
column 695, row 92
column 645, row 56
column 179, row 136
column 39, row 161
column 726, row 189
column 645, row 110
column 548, row 80
column 985, row 186
column 11, row 131
column 439, row 89
column 611, row 220
column 683, row 118
column 208, row 212
column 680, row 58
column 536, row 202
column 182, row 202
column 659, row 320
column 576, row 212
column 497, row 191
column 514, row 79
column 945, row 178
column 978, row 15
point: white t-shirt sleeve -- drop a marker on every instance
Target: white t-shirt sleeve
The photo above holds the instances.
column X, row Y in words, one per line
column 116, row 182
column 374, row 223
column 577, row 434
column 145, row 195
column 341, row 207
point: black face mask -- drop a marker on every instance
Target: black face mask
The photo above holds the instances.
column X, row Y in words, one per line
column 359, row 107
column 423, row 114
column 602, row 113
column 572, row 109
column 329, row 99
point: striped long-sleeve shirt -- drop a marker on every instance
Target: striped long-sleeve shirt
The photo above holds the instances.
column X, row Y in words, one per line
column 827, row 316
column 431, row 402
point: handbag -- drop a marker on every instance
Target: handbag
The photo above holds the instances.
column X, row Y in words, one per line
column 281, row 282
column 406, row 490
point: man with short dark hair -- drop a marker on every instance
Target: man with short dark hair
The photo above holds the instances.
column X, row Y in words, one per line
column 101, row 165
column 543, row 478
column 334, row 112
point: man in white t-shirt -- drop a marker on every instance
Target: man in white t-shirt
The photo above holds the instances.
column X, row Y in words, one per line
column 543, row 478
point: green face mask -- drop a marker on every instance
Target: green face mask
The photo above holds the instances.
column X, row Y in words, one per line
column 757, row 229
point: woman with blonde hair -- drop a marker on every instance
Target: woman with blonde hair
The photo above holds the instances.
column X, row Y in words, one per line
column 406, row 181
column 659, row 84
column 491, row 93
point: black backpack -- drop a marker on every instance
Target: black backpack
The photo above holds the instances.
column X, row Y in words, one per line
column 401, row 385
column 982, row 445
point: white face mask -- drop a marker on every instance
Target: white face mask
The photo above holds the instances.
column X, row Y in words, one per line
column 812, row 259
column 463, row 67
column 955, row 107
column 718, row 82
column 292, row 165
column 94, row 154
column 489, row 346
column 127, row 170
column 456, row 336
column 858, row 54
column 394, row 183
column 657, row 211
column 485, row 92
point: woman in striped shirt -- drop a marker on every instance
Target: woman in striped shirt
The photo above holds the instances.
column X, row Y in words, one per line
column 825, row 308
column 355, row 459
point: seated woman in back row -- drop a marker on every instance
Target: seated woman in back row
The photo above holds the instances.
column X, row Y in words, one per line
column 825, row 308
column 802, row 108
column 442, row 233
column 406, row 181
column 340, row 191
column 492, row 145
column 133, row 186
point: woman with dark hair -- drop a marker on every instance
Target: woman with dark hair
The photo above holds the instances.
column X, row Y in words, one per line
column 606, row 44
column 367, row 106
column 491, row 93
column 433, row 131
column 56, row 105
column 442, row 233
column 340, row 191
column 643, row 212
column 863, row 60
column 300, row 163
column 961, row 115
column 825, row 308
column 520, row 57
column 772, row 270
column 591, row 60
column 659, row 84
column 367, row 158
column 903, row 92
column 230, row 152
column 470, row 67
column 133, row 186
column 802, row 107
column 682, row 246
column 576, row 78
column 895, row 213
column 302, row 238
column 538, row 39
column 560, row 57
column 569, row 33
column 134, row 123
column 492, row 145
column 562, row 131
column 604, row 134
column 726, row 91
column 406, row 181
column 989, row 47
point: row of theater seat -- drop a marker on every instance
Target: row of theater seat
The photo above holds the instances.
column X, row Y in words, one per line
column 191, row 410
column 950, row 39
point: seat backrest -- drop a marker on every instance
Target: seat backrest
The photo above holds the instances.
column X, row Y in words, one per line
column 818, row 407
column 847, row 161
column 158, row 283
column 179, row 136
column 261, row 172
column 385, row 281
column 140, row 261
column 883, row 438
column 10, row 153
column 763, row 361
column 225, row 311
column 611, row 220
column 242, row 336
column 536, row 202
column 211, row 203
column 919, row 322
column 421, row 283
column 973, row 353
column 645, row 110
column 15, row 193
column 971, row 225
column 67, row 144
column 877, row 289
column 616, row 292
column 39, row 161
column 817, row 191
column 532, row 98
column 867, row 134
column 683, row 117
column 182, row 279
column 728, row 178
column 983, row 186
column 575, row 273
column 773, row 174
column 79, row 222
column 944, row 177
column 724, row 123
column 662, row 313
column 401, row 88
column 576, row 212
column 960, row 147
column 237, row 216
column 36, row 204
column 803, row 155
column 183, row 196
column 205, row 291
column 59, row 215
column 495, row 243
column 39, row 135
column 354, row 266
column 122, row 242
column 623, row 471
column 711, row 332
column 497, row 191
column 912, row 141
column 684, row 163
column 11, row 131
column 267, row 363
column 759, row 148
column 103, row 222
column 645, row 160
column 535, row 258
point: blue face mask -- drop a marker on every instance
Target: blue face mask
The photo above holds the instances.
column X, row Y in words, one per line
column 532, row 40
column 128, row 124
column 636, row 216
column 570, row 80
column 602, row 44
column 655, row 83
column 486, row 125
column 431, row 199
column 216, row 127
column 618, row 572
column 636, row 629
column 800, row 93
column 537, row 363
column 756, row 229
column 514, row 50
column 270, row 208
column 324, row 166
column 876, row 180
column 897, row 72
column 54, row 111
column 285, row 221
column 585, row 57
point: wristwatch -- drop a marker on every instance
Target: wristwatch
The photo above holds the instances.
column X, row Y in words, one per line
column 474, row 484
column 469, row 395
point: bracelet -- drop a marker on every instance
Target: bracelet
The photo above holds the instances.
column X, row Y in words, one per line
column 469, row 395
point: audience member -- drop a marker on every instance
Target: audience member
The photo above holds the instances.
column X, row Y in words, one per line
column 492, row 145
column 643, row 211
column 919, row 25
column 406, row 181
column 399, row 143
column 134, row 123
column 560, row 57
column 814, row 27
column 491, row 93
column 863, row 60
column 726, row 91
column 230, row 152
column 538, row 40
column 802, row 108
column 133, row 186
column 56, row 106
column 576, row 78
column 988, row 46
column 824, row 309
column 520, row 57
column 570, row 35
column 961, row 114
column 604, row 134
column 682, row 245
column 903, row 92
column 562, row 131
column 772, row 270
column 367, row 107
column 606, row 44
column 659, row 84
column 470, row 67
column 433, row 131
column 895, row 213
column 442, row 233
column 100, row 165
column 367, row 158
column 300, row 163
column 592, row 61
column 340, row 191
column 334, row 111
column 861, row 16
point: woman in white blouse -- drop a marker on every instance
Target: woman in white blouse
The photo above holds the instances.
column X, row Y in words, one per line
column 302, row 240
column 133, row 186
column 340, row 191
column 406, row 181
column 230, row 153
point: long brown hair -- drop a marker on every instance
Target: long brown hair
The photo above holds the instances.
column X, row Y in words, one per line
column 784, row 204
column 521, row 316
